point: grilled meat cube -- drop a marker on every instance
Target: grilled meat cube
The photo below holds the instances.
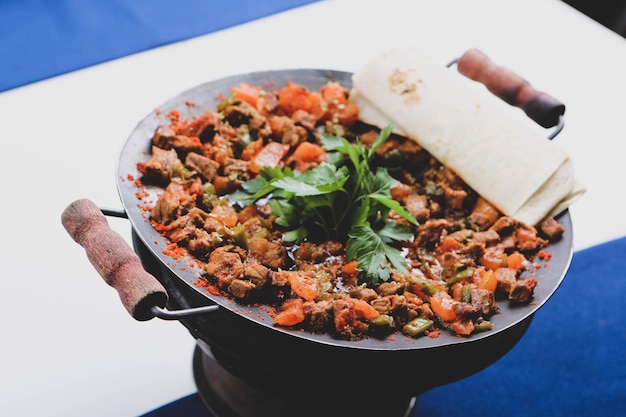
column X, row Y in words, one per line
column 268, row 253
column 225, row 266
column 551, row 229
column 522, row 290
column 484, row 300
column 365, row 294
column 258, row 274
column 161, row 166
column 240, row 288
column 205, row 167
column 318, row 315
column 166, row 138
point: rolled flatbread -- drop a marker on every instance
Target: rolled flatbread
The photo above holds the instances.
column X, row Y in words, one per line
column 484, row 140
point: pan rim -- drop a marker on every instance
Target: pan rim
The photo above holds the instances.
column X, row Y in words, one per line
column 207, row 94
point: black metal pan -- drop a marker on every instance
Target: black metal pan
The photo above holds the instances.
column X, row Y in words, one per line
column 146, row 296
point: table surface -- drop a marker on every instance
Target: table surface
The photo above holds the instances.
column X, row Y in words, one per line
column 68, row 347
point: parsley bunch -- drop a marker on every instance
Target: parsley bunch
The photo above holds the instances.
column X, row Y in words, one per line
column 343, row 199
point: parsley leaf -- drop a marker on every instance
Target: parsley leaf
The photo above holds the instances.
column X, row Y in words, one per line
column 342, row 199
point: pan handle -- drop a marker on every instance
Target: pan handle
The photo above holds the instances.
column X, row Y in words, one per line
column 513, row 89
column 114, row 259
column 143, row 296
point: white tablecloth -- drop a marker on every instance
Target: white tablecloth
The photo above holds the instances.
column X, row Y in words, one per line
column 68, row 348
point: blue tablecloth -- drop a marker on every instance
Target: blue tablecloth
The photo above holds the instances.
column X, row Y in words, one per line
column 43, row 38
column 571, row 362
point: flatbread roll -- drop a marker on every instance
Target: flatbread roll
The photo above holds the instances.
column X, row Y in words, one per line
column 487, row 142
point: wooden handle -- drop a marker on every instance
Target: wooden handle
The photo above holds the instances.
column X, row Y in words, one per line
column 114, row 259
column 510, row 87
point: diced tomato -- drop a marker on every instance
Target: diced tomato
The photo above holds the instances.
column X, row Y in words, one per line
column 294, row 97
column 292, row 313
column 306, row 156
column 442, row 305
column 348, row 114
column 448, row 244
column 250, row 151
column 226, row 214
column 485, row 279
column 247, row 93
column 304, row 284
column 493, row 258
column 464, row 327
column 515, row 261
column 364, row 309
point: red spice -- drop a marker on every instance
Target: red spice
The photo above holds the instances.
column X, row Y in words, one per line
column 174, row 115
column 159, row 227
column 433, row 334
column 141, row 195
column 174, row 251
column 146, row 207
column 138, row 183
column 189, row 103
column 545, row 255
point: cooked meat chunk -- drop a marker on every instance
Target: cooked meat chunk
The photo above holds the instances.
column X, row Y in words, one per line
column 382, row 304
column 225, row 266
column 552, row 229
column 346, row 324
column 279, row 278
column 241, row 288
column 455, row 197
column 304, row 119
column 236, row 168
column 268, row 253
column 430, row 232
column 319, row 315
column 522, row 290
column 362, row 293
column 488, row 237
column 318, row 253
column 506, row 278
column 484, row 214
column 162, row 166
column 504, row 225
column 402, row 310
column 389, row 288
column 167, row 139
column 204, row 166
column 174, row 202
column 484, row 300
column 417, row 205
column 258, row 274
column 527, row 239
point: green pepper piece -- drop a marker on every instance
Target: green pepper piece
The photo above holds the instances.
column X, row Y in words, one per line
column 417, row 326
column 382, row 320
column 482, row 325
column 466, row 293
column 236, row 234
column 428, row 287
column 460, row 274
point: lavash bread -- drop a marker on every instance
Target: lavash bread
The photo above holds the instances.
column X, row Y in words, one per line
column 484, row 140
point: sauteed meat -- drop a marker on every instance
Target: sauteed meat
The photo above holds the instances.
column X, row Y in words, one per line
column 286, row 199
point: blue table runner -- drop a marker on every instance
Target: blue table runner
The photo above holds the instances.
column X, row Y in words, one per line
column 571, row 362
column 44, row 38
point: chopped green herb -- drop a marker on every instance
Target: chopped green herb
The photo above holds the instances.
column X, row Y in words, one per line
column 342, row 199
